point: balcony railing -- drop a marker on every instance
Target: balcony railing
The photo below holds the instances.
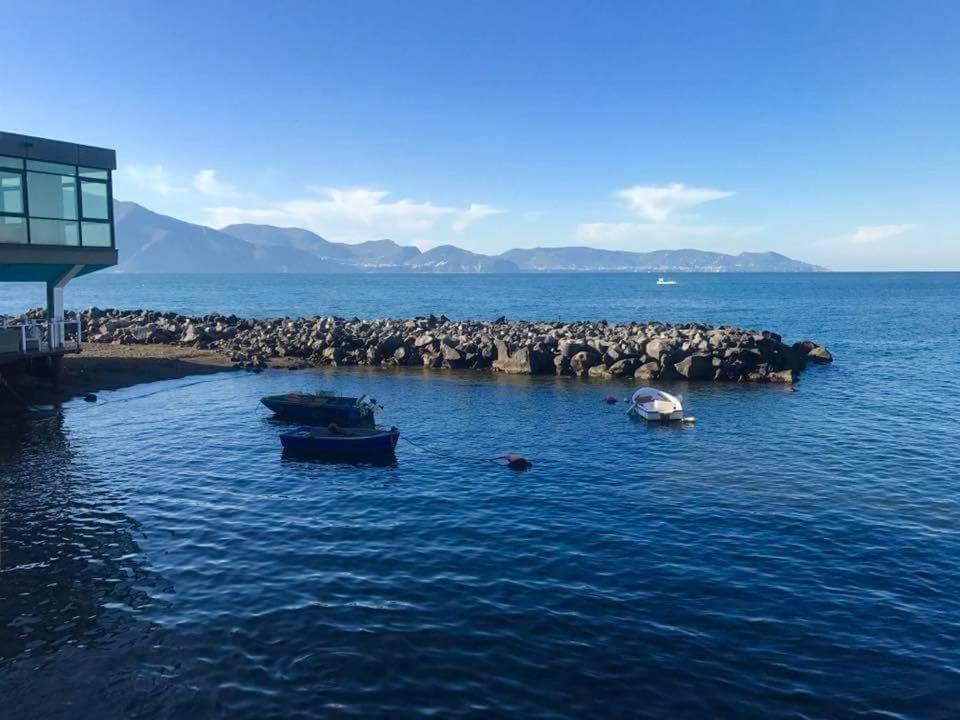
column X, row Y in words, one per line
column 38, row 337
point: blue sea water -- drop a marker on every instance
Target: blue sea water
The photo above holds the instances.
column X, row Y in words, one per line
column 791, row 555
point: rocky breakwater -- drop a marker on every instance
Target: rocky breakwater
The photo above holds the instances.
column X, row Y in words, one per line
column 643, row 351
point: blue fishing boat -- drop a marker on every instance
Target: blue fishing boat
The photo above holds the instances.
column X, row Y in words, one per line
column 341, row 443
column 323, row 409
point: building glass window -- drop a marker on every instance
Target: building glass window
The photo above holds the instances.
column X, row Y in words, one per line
column 96, row 234
column 94, row 173
column 52, row 196
column 11, row 162
column 93, row 200
column 50, row 167
column 53, row 232
column 13, row 230
column 11, row 192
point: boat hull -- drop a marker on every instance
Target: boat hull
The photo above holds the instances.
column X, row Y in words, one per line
column 313, row 410
column 656, row 406
column 654, row 416
column 347, row 443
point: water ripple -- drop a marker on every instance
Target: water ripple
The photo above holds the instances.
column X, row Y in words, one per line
column 791, row 555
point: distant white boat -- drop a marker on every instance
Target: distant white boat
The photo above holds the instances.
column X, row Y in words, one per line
column 664, row 281
column 655, row 405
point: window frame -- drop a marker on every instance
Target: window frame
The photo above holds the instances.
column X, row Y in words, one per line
column 108, row 184
column 23, row 193
column 79, row 178
column 24, row 202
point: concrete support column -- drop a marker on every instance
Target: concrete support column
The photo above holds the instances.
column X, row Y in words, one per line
column 55, row 306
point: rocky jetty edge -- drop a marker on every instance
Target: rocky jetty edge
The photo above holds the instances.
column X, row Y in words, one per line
column 641, row 350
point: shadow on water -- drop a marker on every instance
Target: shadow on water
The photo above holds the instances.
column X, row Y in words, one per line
column 293, row 457
column 72, row 578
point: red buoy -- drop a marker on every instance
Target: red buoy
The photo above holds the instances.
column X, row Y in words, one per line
column 611, row 400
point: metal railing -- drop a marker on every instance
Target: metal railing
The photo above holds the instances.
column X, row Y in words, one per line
column 39, row 336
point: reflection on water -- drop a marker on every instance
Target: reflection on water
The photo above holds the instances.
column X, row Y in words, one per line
column 790, row 555
column 73, row 579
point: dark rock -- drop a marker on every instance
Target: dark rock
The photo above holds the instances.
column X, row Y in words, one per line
column 524, row 361
column 583, row 361
column 820, row 354
column 647, row 371
column 452, row 358
column 696, row 367
column 624, row 368
column 787, row 377
column 656, row 349
column 599, row 371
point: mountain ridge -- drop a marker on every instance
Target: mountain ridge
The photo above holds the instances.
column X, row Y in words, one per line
column 150, row 242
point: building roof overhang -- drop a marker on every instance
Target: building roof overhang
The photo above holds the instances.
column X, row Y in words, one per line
column 37, row 148
column 47, row 263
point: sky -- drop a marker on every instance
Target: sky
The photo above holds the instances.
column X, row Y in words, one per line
column 827, row 131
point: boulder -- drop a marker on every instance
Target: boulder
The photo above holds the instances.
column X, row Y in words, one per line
column 569, row 348
column 820, row 354
column 333, row 354
column 787, row 377
column 525, row 361
column 404, row 355
column 388, row 345
column 192, row 334
column 583, row 361
column 625, row 367
column 656, row 349
column 647, row 371
column 599, row 371
column 143, row 333
column 696, row 367
column 452, row 358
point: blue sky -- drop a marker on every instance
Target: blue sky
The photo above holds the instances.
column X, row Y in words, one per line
column 826, row 131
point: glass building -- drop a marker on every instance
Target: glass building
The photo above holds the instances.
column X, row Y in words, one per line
column 56, row 222
column 52, row 203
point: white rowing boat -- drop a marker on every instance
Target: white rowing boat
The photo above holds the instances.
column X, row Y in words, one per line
column 655, row 405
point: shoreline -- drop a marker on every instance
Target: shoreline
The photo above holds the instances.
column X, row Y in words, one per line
column 100, row 367
column 127, row 347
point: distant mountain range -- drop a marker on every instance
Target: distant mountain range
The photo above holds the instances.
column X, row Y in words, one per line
column 152, row 243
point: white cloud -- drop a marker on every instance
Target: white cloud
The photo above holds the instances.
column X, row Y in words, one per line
column 207, row 183
column 658, row 203
column 154, row 178
column 873, row 233
column 353, row 214
column 476, row 211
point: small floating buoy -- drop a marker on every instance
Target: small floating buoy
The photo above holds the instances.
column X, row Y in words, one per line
column 90, row 397
column 517, row 462
column 611, row 400
column 689, row 420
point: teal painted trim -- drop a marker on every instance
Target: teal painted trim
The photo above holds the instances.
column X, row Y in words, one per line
column 34, row 272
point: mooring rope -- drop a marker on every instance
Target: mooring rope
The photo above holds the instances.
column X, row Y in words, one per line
column 450, row 456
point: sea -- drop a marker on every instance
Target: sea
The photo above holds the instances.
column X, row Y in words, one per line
column 791, row 555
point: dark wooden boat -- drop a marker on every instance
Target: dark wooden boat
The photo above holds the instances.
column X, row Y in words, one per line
column 336, row 442
column 322, row 409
